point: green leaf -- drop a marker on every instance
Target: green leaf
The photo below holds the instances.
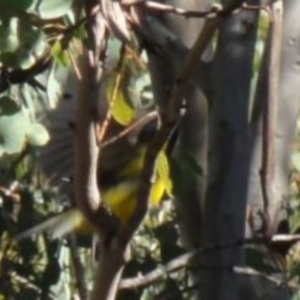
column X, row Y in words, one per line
column 50, row 9
column 296, row 295
column 8, row 106
column 294, row 221
column 21, row 44
column 9, row 40
column 37, row 135
column 296, row 160
column 60, row 55
column 13, row 126
column 294, row 271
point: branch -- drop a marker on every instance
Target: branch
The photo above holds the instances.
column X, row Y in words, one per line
column 184, row 259
column 139, row 123
column 86, row 149
column 78, row 268
column 270, row 117
column 87, row 192
column 172, row 115
column 215, row 11
column 16, row 76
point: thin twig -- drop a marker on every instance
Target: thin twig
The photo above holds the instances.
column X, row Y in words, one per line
column 116, row 88
column 28, row 284
column 184, row 259
column 74, row 66
column 138, row 123
column 215, row 11
column 165, row 8
column 78, row 268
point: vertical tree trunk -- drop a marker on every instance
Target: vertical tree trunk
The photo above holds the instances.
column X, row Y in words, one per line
column 288, row 110
column 193, row 133
column 229, row 154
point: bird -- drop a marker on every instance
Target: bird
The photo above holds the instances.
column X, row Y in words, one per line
column 119, row 195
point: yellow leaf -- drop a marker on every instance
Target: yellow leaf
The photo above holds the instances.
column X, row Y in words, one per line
column 163, row 171
column 121, row 111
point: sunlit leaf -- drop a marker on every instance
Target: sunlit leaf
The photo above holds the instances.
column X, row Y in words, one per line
column 13, row 127
column 21, row 44
column 121, row 111
column 37, row 135
column 50, row 9
column 296, row 160
column 60, row 55
column 163, row 170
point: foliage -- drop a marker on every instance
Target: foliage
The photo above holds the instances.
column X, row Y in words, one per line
column 35, row 32
column 32, row 32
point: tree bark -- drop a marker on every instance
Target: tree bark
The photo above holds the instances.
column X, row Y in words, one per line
column 229, row 155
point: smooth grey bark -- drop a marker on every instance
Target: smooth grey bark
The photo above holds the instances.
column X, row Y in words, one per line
column 229, row 155
column 193, row 130
column 288, row 110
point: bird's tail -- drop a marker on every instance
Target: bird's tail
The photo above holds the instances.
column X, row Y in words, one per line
column 57, row 226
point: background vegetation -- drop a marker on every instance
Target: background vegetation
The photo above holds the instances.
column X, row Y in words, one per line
column 231, row 231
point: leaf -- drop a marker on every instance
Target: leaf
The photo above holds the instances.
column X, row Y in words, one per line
column 37, row 135
column 8, row 106
column 163, row 170
column 9, row 41
column 294, row 271
column 121, row 111
column 294, row 221
column 13, row 127
column 296, row 160
column 296, row 295
column 55, row 82
column 21, row 44
column 60, row 55
column 33, row 45
column 50, row 9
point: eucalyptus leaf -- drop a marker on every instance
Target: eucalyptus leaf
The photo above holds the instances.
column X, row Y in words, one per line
column 37, row 135
column 50, row 9
column 294, row 221
column 21, row 44
column 296, row 160
column 8, row 106
column 60, row 55
column 13, row 132
column 121, row 111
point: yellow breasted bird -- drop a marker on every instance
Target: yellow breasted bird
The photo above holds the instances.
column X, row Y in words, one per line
column 120, row 196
